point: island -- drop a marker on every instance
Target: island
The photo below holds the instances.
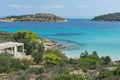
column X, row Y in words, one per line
column 108, row 17
column 39, row 17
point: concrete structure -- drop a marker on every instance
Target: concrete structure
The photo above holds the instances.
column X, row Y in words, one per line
column 12, row 47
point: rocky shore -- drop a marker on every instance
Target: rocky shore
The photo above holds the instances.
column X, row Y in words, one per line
column 51, row 44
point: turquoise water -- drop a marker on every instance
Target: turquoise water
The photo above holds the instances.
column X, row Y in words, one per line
column 77, row 35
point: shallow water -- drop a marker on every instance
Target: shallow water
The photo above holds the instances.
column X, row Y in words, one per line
column 77, row 35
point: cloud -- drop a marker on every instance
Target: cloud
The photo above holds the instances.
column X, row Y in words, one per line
column 17, row 6
column 14, row 6
column 44, row 8
column 37, row 8
column 54, row 7
column 82, row 6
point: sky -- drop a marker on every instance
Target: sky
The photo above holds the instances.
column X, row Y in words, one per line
column 63, row 8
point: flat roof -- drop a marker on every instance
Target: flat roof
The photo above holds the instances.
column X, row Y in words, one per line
column 9, row 44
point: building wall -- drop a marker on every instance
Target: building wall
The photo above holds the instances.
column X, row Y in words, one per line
column 2, row 51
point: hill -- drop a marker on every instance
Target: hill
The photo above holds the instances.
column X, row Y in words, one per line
column 40, row 17
column 108, row 17
column 52, row 64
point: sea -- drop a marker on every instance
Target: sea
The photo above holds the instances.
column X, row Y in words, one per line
column 77, row 35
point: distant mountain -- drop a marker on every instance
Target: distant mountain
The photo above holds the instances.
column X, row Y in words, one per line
column 108, row 17
column 40, row 17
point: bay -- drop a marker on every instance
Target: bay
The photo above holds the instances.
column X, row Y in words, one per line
column 77, row 35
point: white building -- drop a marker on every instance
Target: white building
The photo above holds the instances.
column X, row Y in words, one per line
column 12, row 48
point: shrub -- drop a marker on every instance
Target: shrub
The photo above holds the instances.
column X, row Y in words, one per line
column 41, row 48
column 21, row 78
column 84, row 55
column 68, row 77
column 8, row 64
column 38, row 57
column 94, row 55
column 25, row 64
column 58, row 53
column 30, row 40
column 36, row 71
column 51, row 58
column 15, row 65
column 106, row 60
column 5, row 36
column 40, row 78
column 4, row 62
column 24, row 35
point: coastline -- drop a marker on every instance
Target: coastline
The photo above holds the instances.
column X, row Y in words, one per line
column 30, row 21
column 107, row 44
column 51, row 44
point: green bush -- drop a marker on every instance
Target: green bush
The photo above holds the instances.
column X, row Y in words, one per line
column 30, row 40
column 38, row 57
column 106, row 60
column 38, row 54
column 68, row 77
column 51, row 58
column 24, row 35
column 5, row 63
column 58, row 53
column 36, row 71
column 8, row 64
column 41, row 48
column 5, row 36
column 15, row 65
column 25, row 64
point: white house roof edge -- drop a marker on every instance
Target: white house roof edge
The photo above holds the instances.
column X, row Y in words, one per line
column 10, row 44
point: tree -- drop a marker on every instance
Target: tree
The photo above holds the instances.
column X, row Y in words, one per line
column 24, row 35
column 84, row 55
column 38, row 53
column 106, row 59
column 30, row 40
column 41, row 48
column 94, row 55
column 38, row 57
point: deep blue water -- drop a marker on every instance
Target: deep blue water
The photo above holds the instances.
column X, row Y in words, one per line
column 77, row 35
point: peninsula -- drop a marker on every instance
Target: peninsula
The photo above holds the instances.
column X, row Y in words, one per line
column 108, row 17
column 40, row 17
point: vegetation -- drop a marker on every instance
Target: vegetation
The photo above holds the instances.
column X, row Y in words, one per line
column 40, row 17
column 30, row 40
column 5, row 36
column 69, row 77
column 108, row 17
column 9, row 64
column 106, row 59
column 110, row 75
column 51, row 58
column 53, row 64
column 38, row 57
